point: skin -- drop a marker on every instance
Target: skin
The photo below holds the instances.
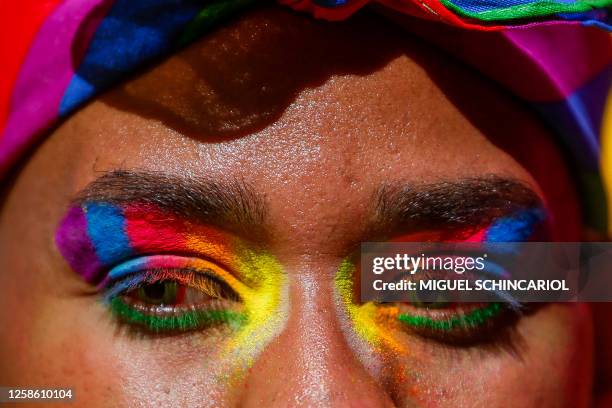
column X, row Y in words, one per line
column 317, row 146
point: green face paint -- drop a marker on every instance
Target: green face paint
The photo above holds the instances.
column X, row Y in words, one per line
column 384, row 326
column 474, row 319
column 183, row 321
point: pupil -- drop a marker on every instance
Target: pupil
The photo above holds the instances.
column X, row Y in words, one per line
column 158, row 293
column 155, row 291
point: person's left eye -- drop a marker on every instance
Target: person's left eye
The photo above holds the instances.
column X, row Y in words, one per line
column 456, row 323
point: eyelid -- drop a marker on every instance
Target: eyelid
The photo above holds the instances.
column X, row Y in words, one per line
column 462, row 318
column 464, row 327
column 187, row 320
column 147, row 263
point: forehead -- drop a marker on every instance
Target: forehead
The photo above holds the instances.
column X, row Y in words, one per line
column 278, row 84
column 315, row 115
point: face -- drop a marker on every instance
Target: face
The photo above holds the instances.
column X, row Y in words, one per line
column 188, row 238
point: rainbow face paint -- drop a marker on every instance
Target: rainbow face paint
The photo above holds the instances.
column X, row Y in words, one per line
column 164, row 273
column 376, row 324
column 383, row 335
column 524, row 225
column 521, row 226
column 220, row 293
column 471, row 319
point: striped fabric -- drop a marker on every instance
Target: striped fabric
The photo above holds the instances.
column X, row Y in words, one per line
column 480, row 15
column 553, row 54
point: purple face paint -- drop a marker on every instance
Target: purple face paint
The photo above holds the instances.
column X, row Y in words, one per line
column 75, row 246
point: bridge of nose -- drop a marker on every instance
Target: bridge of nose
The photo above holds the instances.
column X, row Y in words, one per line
column 311, row 363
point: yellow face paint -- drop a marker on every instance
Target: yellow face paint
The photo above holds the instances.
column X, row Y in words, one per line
column 258, row 278
column 265, row 304
column 367, row 320
column 148, row 246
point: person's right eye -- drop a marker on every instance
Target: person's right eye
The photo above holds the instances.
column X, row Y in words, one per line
column 168, row 294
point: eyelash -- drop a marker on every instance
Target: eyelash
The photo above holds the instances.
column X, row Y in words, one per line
column 184, row 321
column 453, row 323
column 223, row 307
column 462, row 320
column 465, row 324
column 469, row 324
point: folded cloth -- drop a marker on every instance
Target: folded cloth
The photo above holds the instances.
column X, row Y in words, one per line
column 556, row 56
column 483, row 15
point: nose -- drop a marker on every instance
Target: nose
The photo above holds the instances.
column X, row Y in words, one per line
column 311, row 363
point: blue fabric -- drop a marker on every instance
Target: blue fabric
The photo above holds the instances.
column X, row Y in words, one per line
column 578, row 119
column 330, row 3
column 133, row 33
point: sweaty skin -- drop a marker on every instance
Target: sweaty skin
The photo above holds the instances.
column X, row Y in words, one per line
column 316, row 117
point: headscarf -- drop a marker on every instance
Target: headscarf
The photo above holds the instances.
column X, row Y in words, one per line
column 554, row 55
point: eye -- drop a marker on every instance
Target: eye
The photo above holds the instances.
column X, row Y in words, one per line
column 188, row 289
column 161, row 293
column 433, row 315
column 466, row 323
column 166, row 300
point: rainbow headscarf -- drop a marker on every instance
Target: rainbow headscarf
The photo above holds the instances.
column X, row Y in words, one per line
column 552, row 54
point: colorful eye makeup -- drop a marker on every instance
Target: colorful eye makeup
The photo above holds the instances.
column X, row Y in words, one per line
column 523, row 225
column 477, row 317
column 458, row 324
column 453, row 323
column 164, row 274
column 173, row 293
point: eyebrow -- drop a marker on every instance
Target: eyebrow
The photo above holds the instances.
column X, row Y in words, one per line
column 450, row 205
column 229, row 204
column 398, row 208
